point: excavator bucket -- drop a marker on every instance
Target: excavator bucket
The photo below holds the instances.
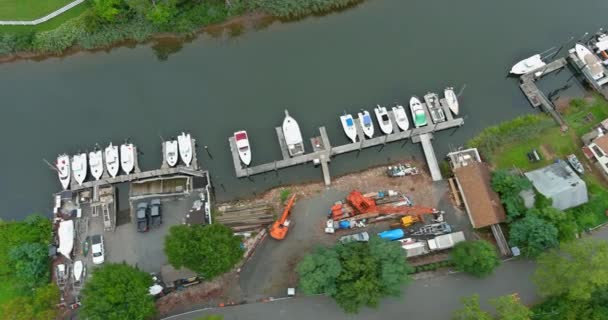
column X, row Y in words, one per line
column 279, row 228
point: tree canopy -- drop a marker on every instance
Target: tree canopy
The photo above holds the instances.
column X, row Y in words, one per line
column 34, row 229
column 31, row 264
column 208, row 250
column 580, row 267
column 40, row 305
column 471, row 310
column 355, row 274
column 509, row 307
column 508, row 186
column 117, row 291
column 533, row 235
column 478, row 258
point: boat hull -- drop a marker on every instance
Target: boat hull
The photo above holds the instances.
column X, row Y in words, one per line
column 293, row 135
column 127, row 158
column 366, row 123
column 418, row 114
column 386, row 126
column 528, row 65
column 96, row 164
column 242, row 144
column 401, row 118
column 348, row 124
column 591, row 61
column 432, row 103
column 451, row 100
column 184, row 142
column 171, row 153
column 79, row 167
column 63, row 170
column 112, row 160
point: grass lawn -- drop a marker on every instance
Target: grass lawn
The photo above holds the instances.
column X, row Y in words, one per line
column 49, row 25
column 28, row 9
column 7, row 291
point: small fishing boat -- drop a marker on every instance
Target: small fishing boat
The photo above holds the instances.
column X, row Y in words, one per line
column 96, row 163
column 79, row 167
column 527, row 65
column 418, row 114
column 77, row 272
column 63, row 170
column 171, row 152
column 184, row 142
column 293, row 136
column 242, row 144
column 127, row 157
column 112, row 162
column 591, row 61
column 401, row 117
column 432, row 103
column 383, row 120
column 349, row 126
column 366, row 123
column 402, row 170
column 575, row 164
column 451, row 100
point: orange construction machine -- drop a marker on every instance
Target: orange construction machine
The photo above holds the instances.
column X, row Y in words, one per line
column 279, row 228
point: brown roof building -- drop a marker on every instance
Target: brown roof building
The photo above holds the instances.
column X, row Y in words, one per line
column 482, row 203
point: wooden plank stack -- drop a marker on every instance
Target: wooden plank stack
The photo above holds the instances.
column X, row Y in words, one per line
column 245, row 217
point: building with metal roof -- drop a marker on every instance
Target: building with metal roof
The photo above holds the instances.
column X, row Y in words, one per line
column 560, row 183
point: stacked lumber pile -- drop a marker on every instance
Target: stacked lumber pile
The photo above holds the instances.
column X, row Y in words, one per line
column 245, row 217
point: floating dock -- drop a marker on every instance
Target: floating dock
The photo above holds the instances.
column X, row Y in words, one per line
column 323, row 150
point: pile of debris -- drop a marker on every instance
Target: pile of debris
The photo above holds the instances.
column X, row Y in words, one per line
column 245, row 217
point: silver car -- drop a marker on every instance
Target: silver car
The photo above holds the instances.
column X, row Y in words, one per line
column 97, row 249
column 357, row 237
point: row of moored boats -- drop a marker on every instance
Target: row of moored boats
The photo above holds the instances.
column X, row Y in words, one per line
column 113, row 158
column 293, row 136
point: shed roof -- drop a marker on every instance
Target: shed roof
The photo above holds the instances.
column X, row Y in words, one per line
column 602, row 142
column 482, row 203
column 560, row 183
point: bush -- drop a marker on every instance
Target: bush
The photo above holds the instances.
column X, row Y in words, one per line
column 299, row 8
column 478, row 258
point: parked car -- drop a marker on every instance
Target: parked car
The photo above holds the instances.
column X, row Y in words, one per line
column 357, row 237
column 143, row 217
column 97, row 249
column 156, row 218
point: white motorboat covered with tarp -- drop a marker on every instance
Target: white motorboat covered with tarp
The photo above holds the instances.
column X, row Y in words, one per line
column 184, row 142
column 451, row 100
column 63, row 170
column 601, row 47
column 418, row 114
column 112, row 160
column 293, row 136
column 79, row 167
column 591, row 61
column 527, row 65
column 242, row 144
column 78, row 270
column 96, row 163
column 127, row 157
column 66, row 238
column 383, row 120
column 401, row 117
column 432, row 103
column 171, row 152
column 366, row 123
column 348, row 124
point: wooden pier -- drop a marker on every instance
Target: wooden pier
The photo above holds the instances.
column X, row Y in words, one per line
column 322, row 150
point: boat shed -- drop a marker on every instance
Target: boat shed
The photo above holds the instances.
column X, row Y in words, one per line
column 560, row 183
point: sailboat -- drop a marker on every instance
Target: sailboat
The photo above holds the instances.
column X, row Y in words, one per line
column 96, row 163
column 591, row 61
column 418, row 114
column 366, row 123
column 432, row 103
column 242, row 144
column 401, row 117
column 63, row 170
column 112, row 163
column 451, row 100
column 79, row 167
column 527, row 65
column 293, row 136
column 127, row 157
column 171, row 152
column 383, row 120
column 184, row 142
column 349, row 126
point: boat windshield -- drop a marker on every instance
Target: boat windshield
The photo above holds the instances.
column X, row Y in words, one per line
column 367, row 120
column 241, row 136
column 385, row 117
column 244, row 148
column 349, row 122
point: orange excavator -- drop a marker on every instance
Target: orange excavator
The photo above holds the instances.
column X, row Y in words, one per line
column 279, row 228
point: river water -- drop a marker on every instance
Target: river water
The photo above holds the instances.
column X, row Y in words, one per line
column 381, row 51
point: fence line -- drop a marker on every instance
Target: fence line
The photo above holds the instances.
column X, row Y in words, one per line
column 43, row 19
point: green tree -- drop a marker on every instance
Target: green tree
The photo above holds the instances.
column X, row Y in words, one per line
column 509, row 307
column 31, row 264
column 471, row 310
column 533, row 235
column 117, row 291
column 319, row 271
column 567, row 228
column 208, row 250
column 162, row 14
column 33, row 229
column 478, row 258
column 576, row 270
column 509, row 184
column 109, row 10
column 40, row 305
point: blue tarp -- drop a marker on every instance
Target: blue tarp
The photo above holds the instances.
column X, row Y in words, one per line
column 391, row 235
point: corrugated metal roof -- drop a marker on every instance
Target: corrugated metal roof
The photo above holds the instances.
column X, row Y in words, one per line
column 559, row 182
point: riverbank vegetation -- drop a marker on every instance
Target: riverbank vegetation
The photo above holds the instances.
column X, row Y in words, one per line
column 104, row 22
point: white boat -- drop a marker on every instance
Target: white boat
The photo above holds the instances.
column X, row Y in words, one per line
column 401, row 117
column 418, row 114
column 171, row 152
column 77, row 272
column 601, row 47
column 96, row 163
column 127, row 157
column 242, row 144
column 349, row 126
column 184, row 143
column 293, row 136
column 63, row 170
column 112, row 162
column 66, row 238
column 383, row 120
column 432, row 103
column 527, row 65
column 451, row 100
column 366, row 123
column 79, row 167
column 591, row 61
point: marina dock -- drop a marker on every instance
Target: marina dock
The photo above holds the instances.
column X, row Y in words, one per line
column 597, row 85
column 323, row 150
